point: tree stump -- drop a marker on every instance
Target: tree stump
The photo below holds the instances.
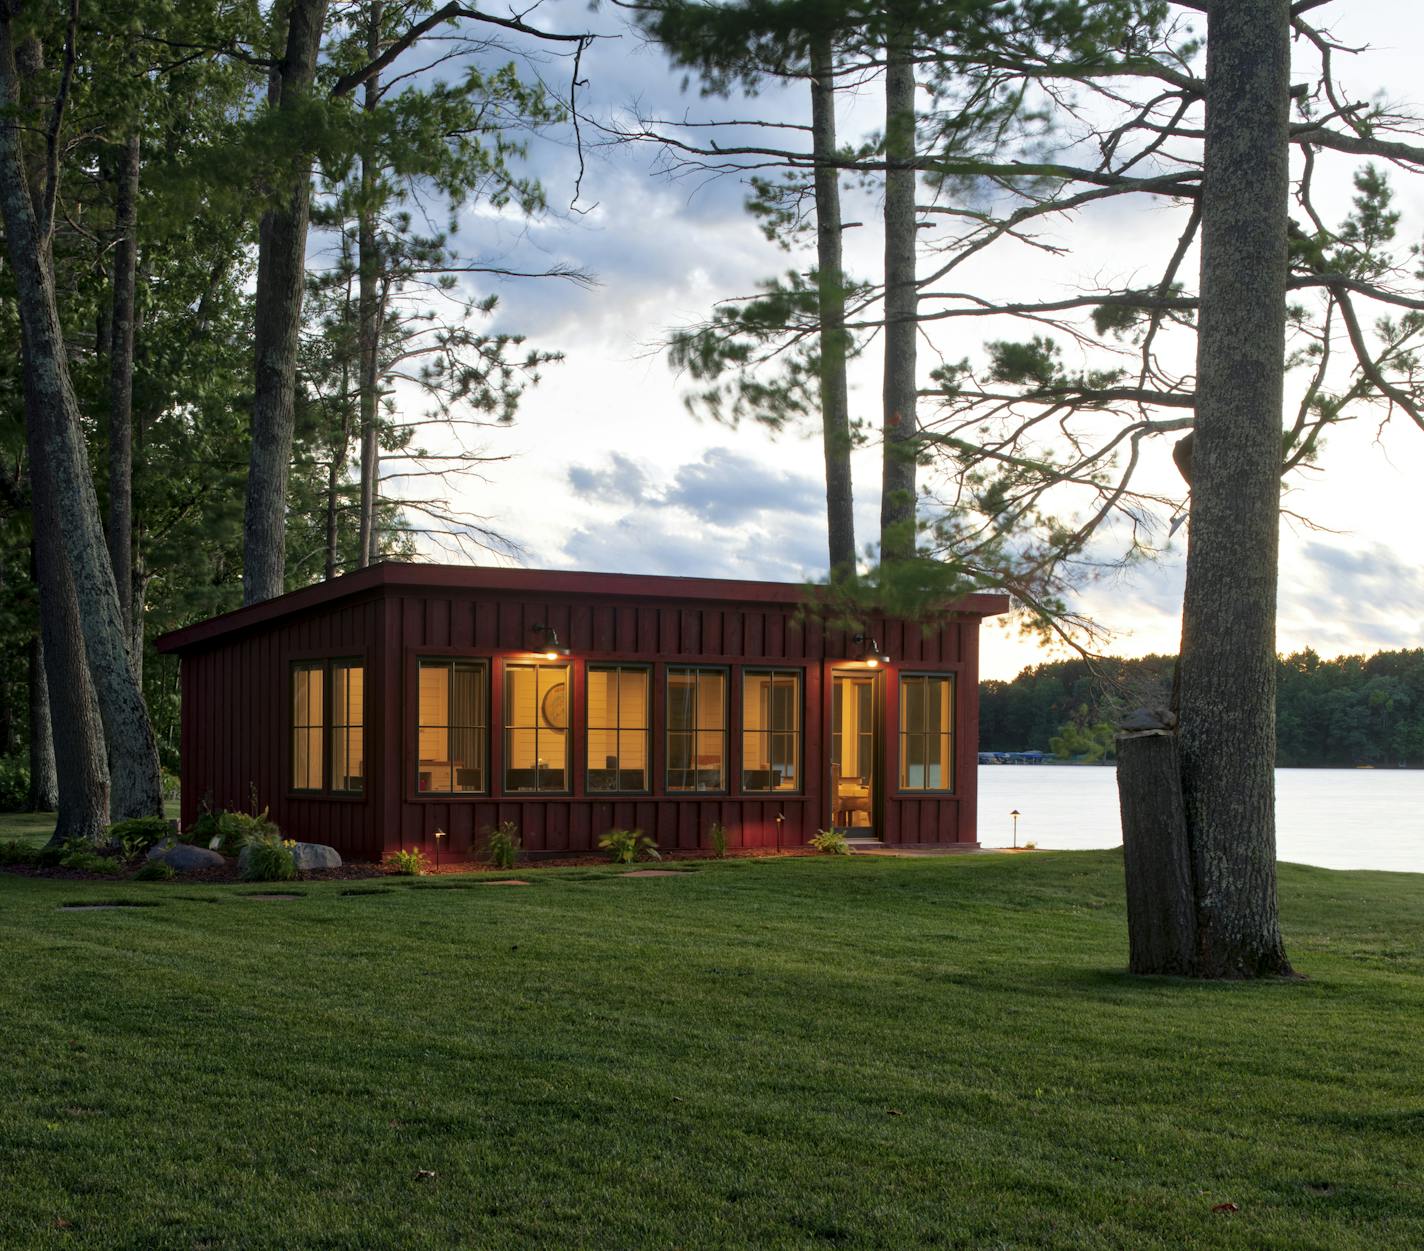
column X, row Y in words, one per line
column 1161, row 908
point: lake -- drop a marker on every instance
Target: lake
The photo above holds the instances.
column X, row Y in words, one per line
column 1335, row 818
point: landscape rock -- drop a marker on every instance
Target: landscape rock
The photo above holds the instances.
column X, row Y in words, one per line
column 311, row 856
column 184, row 857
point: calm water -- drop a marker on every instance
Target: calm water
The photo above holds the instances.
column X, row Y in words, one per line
column 1336, row 818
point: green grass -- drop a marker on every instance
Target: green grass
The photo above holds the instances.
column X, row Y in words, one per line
column 858, row 1052
column 35, row 828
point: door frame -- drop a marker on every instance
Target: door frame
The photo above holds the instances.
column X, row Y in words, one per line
column 877, row 676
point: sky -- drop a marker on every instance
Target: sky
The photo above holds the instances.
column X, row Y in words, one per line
column 607, row 469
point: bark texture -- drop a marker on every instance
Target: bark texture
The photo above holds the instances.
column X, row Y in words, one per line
column 1161, row 907
column 901, row 425
column 1228, row 655
column 368, row 303
column 835, row 397
column 121, row 374
column 71, row 555
column 281, row 275
column 43, row 794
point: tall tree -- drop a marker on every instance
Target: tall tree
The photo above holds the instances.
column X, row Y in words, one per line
column 121, row 379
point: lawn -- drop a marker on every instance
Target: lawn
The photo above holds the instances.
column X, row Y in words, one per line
column 772, row 1053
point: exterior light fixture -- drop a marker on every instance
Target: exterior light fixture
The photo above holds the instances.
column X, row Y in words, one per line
column 439, row 834
column 1015, row 814
column 552, row 649
column 874, row 657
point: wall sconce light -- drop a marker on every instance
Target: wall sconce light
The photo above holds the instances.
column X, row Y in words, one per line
column 552, row 649
column 874, row 657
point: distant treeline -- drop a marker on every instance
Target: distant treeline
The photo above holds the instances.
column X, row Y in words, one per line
column 1355, row 710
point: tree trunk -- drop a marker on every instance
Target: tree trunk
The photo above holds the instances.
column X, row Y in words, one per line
column 368, row 310
column 901, row 427
column 281, row 276
column 835, row 400
column 334, row 475
column 1228, row 657
column 66, row 507
column 44, row 786
column 121, row 374
column 1161, row 908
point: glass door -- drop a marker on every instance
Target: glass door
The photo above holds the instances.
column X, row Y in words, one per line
column 855, row 753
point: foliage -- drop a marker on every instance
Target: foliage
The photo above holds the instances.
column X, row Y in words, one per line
column 14, row 785
column 830, row 843
column 15, row 852
column 502, row 845
column 1083, row 741
column 626, row 846
column 136, row 835
column 717, row 838
column 81, row 855
column 269, row 858
column 235, row 830
column 408, row 863
column 155, row 871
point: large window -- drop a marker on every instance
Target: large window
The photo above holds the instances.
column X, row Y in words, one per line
column 452, row 728
column 536, row 727
column 697, row 730
column 348, row 726
column 618, row 728
column 771, row 731
column 926, row 732
column 309, row 725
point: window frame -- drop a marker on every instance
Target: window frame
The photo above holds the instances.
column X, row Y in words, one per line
column 727, row 763
column 536, row 663
column 604, row 666
column 950, row 732
column 450, row 663
column 325, row 662
column 772, row 671
column 344, row 662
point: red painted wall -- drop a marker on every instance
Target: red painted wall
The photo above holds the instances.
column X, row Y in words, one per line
column 236, row 733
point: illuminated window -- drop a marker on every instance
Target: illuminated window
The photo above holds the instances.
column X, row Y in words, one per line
column 771, row 731
column 309, row 725
column 452, row 733
column 697, row 730
column 348, row 726
column 618, row 728
column 536, row 727
column 926, row 732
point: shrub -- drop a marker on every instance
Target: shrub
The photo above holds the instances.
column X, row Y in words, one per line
column 830, row 843
column 410, row 863
column 155, row 871
column 136, row 835
column 502, row 845
column 19, row 853
column 14, row 785
column 268, row 858
column 170, row 782
column 626, row 846
column 84, row 856
column 235, row 830
column 717, row 837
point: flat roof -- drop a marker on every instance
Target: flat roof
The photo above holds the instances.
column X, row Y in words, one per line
column 400, row 575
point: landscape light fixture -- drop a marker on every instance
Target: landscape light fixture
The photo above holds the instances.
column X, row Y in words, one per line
column 1015, row 815
column 874, row 657
column 552, row 649
column 439, row 834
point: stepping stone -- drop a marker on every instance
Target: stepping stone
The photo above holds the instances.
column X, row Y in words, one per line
column 509, row 881
column 271, row 898
column 95, row 907
column 657, row 873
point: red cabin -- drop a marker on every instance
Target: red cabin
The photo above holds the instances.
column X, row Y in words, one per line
column 370, row 711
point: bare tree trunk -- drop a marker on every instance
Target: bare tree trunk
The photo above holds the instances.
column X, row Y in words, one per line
column 334, row 475
column 368, row 311
column 901, row 426
column 1228, row 658
column 121, row 374
column 835, row 399
column 44, row 786
column 66, row 507
column 281, row 275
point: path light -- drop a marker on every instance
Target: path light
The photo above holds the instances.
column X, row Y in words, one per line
column 439, row 834
column 1015, row 815
column 875, row 657
column 553, row 649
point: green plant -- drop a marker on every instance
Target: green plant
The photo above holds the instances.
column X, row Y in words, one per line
column 830, row 843
column 19, row 853
column 14, row 784
column 85, row 857
column 235, row 830
column 410, row 863
column 170, row 782
column 268, row 858
column 717, row 837
column 155, row 871
column 626, row 846
column 136, row 835
column 502, row 845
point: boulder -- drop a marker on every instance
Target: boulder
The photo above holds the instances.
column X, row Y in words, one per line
column 184, row 857
column 311, row 856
